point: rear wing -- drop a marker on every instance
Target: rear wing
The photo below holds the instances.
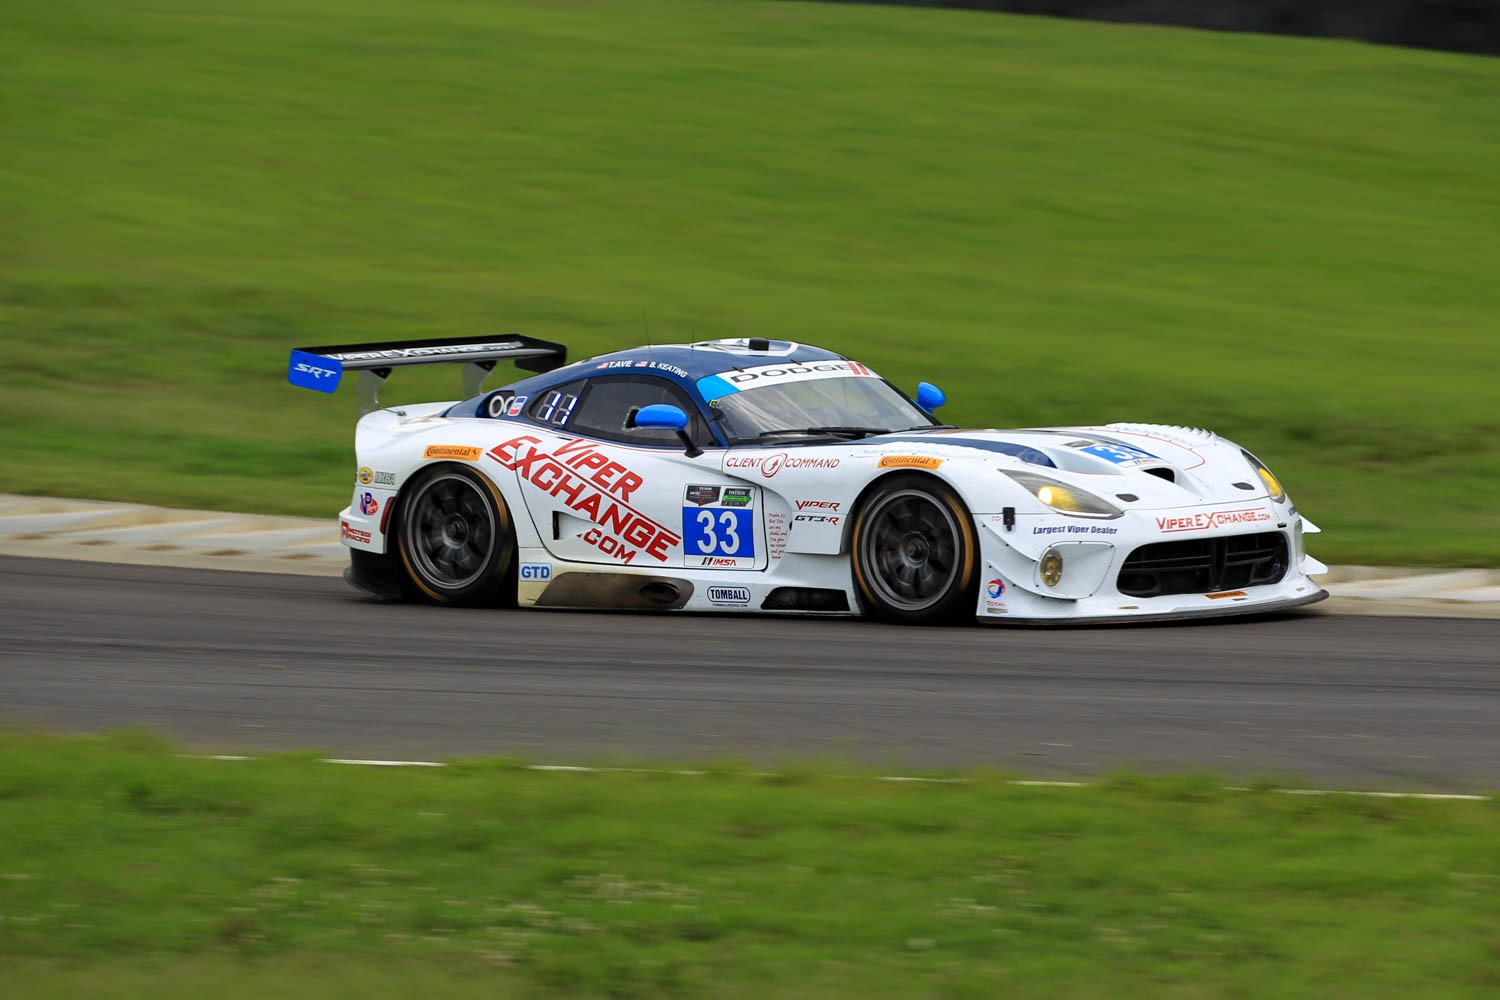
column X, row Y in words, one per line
column 321, row 368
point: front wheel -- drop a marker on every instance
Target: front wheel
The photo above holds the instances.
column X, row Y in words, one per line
column 914, row 552
column 455, row 539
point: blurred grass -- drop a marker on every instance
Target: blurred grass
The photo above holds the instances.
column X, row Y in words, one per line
column 1289, row 241
column 126, row 870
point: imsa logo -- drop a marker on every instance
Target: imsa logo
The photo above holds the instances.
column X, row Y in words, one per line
column 729, row 595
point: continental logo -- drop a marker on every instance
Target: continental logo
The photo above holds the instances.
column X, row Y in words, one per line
column 468, row 453
column 909, row 462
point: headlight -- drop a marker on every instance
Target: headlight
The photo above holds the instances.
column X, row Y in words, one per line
column 1051, row 567
column 1066, row 499
column 1271, row 483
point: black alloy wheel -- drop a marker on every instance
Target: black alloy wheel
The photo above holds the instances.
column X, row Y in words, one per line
column 456, row 540
column 915, row 553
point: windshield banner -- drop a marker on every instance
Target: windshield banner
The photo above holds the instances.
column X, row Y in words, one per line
column 740, row 379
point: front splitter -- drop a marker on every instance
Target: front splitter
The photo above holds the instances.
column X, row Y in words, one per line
column 1167, row 616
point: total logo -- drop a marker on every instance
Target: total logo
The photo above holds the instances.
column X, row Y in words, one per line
column 995, row 589
column 729, row 595
column 536, row 572
column 368, row 504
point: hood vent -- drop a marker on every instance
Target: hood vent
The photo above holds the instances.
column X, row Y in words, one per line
column 1161, row 472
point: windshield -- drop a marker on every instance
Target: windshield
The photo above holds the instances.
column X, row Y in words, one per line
column 824, row 403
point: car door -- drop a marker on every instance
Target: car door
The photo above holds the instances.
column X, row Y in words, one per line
column 601, row 492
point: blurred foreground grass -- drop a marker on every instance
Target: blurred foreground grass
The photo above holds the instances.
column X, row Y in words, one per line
column 126, row 870
column 1289, row 241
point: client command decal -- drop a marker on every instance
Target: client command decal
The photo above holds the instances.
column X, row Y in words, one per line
column 718, row 527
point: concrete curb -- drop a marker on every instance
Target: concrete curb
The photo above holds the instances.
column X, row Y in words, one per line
column 103, row 531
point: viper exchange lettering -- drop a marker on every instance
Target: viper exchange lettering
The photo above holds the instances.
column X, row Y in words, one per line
column 1211, row 519
column 594, row 486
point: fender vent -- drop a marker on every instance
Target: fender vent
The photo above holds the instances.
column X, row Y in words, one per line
column 1204, row 565
column 805, row 599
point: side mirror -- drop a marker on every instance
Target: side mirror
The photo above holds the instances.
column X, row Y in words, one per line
column 929, row 396
column 667, row 416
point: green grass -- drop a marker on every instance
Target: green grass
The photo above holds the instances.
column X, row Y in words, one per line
column 1290, row 241
column 126, row 870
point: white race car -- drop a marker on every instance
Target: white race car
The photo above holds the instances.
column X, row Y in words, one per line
column 764, row 475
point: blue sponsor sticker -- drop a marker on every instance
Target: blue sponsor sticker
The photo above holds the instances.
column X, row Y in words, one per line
column 313, row 371
column 1118, row 453
column 708, row 531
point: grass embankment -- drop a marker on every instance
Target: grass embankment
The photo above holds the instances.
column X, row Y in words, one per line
column 1290, row 241
column 128, row 870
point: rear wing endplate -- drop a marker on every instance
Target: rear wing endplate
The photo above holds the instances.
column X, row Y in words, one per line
column 321, row 368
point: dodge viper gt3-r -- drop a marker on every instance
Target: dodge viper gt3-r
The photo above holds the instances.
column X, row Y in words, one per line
column 764, row 475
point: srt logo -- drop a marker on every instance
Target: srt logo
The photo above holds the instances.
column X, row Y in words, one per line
column 315, row 371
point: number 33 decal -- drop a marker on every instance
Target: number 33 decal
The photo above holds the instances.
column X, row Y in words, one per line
column 718, row 532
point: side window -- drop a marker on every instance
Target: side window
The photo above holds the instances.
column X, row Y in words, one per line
column 607, row 401
column 556, row 406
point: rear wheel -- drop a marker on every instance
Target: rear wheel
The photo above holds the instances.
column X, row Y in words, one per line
column 455, row 539
column 914, row 552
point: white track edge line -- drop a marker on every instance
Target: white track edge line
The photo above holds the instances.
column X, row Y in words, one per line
column 1016, row 782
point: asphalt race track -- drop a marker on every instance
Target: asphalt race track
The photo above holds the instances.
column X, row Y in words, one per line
column 244, row 662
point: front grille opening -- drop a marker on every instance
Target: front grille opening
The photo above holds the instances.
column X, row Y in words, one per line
column 1204, row 565
column 1161, row 473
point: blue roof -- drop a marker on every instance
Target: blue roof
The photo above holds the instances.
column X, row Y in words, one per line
column 684, row 364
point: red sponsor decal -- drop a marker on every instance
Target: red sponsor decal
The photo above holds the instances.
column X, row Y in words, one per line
column 591, row 483
column 817, row 505
column 353, row 534
column 1212, row 519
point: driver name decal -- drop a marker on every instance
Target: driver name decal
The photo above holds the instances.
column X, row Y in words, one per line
column 595, row 486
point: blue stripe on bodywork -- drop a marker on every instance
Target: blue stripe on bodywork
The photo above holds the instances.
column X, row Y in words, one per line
column 713, row 387
column 1025, row 453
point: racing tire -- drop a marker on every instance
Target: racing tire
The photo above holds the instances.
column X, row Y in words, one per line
column 914, row 553
column 455, row 538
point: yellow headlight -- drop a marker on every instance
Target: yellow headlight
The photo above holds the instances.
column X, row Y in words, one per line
column 1273, row 486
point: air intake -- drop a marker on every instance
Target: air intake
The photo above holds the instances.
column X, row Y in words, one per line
column 1204, row 565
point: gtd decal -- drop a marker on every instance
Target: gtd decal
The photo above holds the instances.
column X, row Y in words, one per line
column 368, row 504
column 536, row 571
column 1211, row 519
column 729, row 595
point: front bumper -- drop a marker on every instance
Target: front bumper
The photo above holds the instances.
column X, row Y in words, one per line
column 1012, row 588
